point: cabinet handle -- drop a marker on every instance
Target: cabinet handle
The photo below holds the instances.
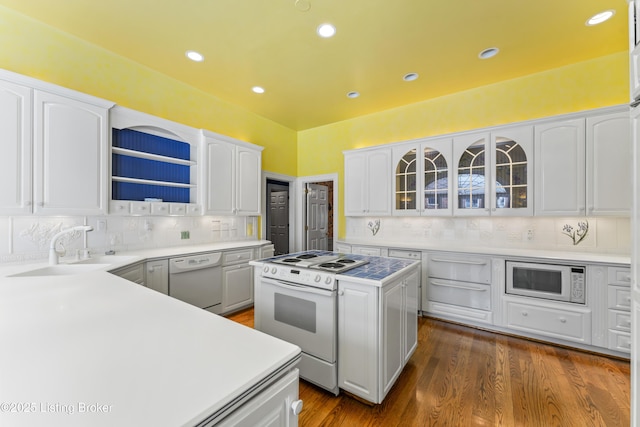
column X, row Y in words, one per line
column 626, row 278
column 525, row 314
column 340, row 293
column 296, row 407
column 461, row 261
column 563, row 320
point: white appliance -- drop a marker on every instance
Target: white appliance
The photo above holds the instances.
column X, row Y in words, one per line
column 197, row 280
column 546, row 281
column 296, row 300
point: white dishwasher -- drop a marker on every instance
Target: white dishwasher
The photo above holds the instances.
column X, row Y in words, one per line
column 197, row 280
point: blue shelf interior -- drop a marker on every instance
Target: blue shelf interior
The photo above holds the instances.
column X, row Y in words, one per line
column 133, row 167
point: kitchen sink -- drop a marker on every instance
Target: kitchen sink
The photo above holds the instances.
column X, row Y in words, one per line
column 60, row 270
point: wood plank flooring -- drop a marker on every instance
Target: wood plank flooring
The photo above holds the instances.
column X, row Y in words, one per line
column 462, row 376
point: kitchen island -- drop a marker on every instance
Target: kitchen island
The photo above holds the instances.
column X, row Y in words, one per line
column 366, row 307
column 94, row 349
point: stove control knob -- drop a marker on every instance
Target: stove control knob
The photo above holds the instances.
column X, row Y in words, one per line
column 328, row 280
column 273, row 270
column 317, row 278
column 266, row 269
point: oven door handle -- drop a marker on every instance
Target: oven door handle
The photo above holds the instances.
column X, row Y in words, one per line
column 298, row 288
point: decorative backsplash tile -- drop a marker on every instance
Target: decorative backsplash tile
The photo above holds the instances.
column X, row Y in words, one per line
column 27, row 238
column 605, row 234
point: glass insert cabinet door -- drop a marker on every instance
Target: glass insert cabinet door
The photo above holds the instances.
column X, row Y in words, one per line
column 494, row 173
column 421, row 178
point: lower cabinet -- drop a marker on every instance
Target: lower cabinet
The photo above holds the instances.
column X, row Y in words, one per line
column 278, row 405
column 157, row 275
column 377, row 334
column 237, row 280
column 133, row 273
column 563, row 321
column 619, row 309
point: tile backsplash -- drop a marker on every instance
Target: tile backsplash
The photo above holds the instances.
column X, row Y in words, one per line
column 27, row 238
column 611, row 235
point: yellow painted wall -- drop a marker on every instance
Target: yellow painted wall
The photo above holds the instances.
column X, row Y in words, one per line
column 31, row 48
column 583, row 86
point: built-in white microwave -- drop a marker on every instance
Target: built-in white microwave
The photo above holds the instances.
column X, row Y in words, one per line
column 547, row 281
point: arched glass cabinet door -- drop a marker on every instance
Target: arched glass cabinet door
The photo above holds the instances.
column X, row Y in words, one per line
column 436, row 180
column 472, row 188
column 511, row 175
column 406, row 174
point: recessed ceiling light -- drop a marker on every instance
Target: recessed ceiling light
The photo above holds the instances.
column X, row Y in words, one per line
column 257, row 89
column 488, row 53
column 195, row 56
column 326, row 30
column 409, row 77
column 599, row 18
column 353, row 94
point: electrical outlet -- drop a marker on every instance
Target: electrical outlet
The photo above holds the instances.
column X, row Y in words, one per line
column 184, row 235
column 530, row 234
column 101, row 225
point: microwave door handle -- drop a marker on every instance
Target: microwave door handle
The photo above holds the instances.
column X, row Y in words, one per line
column 298, row 288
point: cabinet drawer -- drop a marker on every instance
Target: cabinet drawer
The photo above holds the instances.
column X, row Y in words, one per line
column 397, row 253
column 236, row 257
column 553, row 322
column 177, row 208
column 620, row 320
column 140, row 208
column 472, row 295
column 620, row 341
column 619, row 298
column 620, row 276
column 159, row 208
column 366, row 250
column 465, row 268
column 119, row 207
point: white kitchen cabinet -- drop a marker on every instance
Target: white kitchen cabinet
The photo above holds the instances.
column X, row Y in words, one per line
column 15, row 162
column 564, row 321
column 133, row 273
column 422, row 183
column 367, row 187
column 583, row 166
column 237, row 280
column 608, row 171
column 231, row 176
column 71, row 144
column 459, row 287
column 56, row 156
column 277, row 406
column 157, row 275
column 619, row 309
column 493, row 172
column 377, row 334
column 560, row 187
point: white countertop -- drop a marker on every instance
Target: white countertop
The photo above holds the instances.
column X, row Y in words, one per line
column 501, row 252
column 95, row 349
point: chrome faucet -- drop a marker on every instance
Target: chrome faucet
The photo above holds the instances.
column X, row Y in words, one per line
column 53, row 254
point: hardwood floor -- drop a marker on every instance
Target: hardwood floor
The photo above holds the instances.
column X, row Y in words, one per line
column 461, row 376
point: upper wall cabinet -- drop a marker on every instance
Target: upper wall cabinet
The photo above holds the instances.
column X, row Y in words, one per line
column 583, row 166
column 560, row 168
column 64, row 135
column 152, row 159
column 231, row 175
column 367, row 187
column 609, row 166
column 493, row 172
column 421, row 184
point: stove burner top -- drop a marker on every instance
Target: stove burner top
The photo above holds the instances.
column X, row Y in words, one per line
column 306, row 256
column 347, row 261
column 291, row 260
column 331, row 265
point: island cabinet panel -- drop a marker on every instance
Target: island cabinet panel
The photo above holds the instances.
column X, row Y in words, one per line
column 377, row 333
column 276, row 406
column 358, row 319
